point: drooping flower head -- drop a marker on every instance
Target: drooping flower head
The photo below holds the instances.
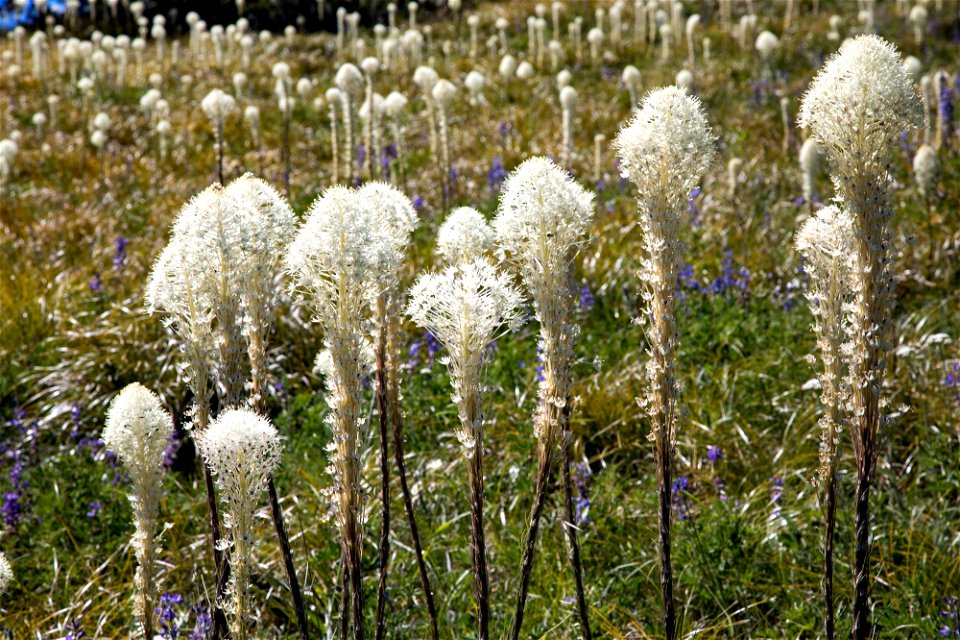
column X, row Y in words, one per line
column 465, row 306
column 464, row 236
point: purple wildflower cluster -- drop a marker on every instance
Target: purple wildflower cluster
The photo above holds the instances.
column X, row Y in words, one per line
column 587, row 299
column 16, row 500
column 167, row 615
column 952, row 380
column 732, row 280
column 496, row 176
column 951, row 616
column 423, row 351
column 120, row 253
column 680, row 497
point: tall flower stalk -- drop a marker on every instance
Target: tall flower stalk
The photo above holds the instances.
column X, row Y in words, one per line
column 540, row 225
column 242, row 449
column 663, row 149
column 137, row 429
column 177, row 289
column 265, row 222
column 823, row 241
column 856, row 108
column 394, row 219
column 330, row 261
column 465, row 306
column 218, row 106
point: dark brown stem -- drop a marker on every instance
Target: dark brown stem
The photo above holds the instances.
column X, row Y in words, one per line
column 830, row 518
column 344, row 600
column 862, row 629
column 481, row 583
column 570, row 526
column 220, row 566
column 295, row 593
column 666, row 569
column 544, row 464
column 356, row 583
column 384, row 554
column 397, row 422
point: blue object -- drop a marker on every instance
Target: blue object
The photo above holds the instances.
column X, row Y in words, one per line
column 11, row 16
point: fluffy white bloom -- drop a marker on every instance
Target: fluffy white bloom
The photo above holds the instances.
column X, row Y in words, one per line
column 218, row 106
column 425, row 78
column 665, row 147
column 526, row 71
column 330, row 255
column 766, row 44
column 464, row 236
column 242, row 450
column 395, row 105
column 465, row 306
column 540, row 224
column 6, row 574
column 443, row 91
column 543, row 215
column 925, row 169
column 861, row 100
column 136, row 430
column 508, row 67
column 393, row 219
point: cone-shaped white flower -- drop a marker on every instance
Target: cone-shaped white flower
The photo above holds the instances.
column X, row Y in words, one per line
column 137, row 430
column 242, row 450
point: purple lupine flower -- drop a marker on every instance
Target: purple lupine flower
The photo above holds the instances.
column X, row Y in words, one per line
column 567, row 600
column 714, row 453
column 721, row 487
column 581, row 501
column 361, row 154
column 694, row 209
column 74, row 630
column 94, row 509
column 680, row 497
column 96, row 284
column 776, row 492
column 539, row 369
column 419, row 203
column 413, row 354
column 504, row 130
column 587, row 299
column 167, row 614
column 120, row 253
column 204, row 623
column 496, row 176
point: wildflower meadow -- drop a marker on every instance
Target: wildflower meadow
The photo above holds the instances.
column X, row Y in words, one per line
column 348, row 319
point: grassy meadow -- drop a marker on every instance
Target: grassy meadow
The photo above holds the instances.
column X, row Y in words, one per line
column 80, row 228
